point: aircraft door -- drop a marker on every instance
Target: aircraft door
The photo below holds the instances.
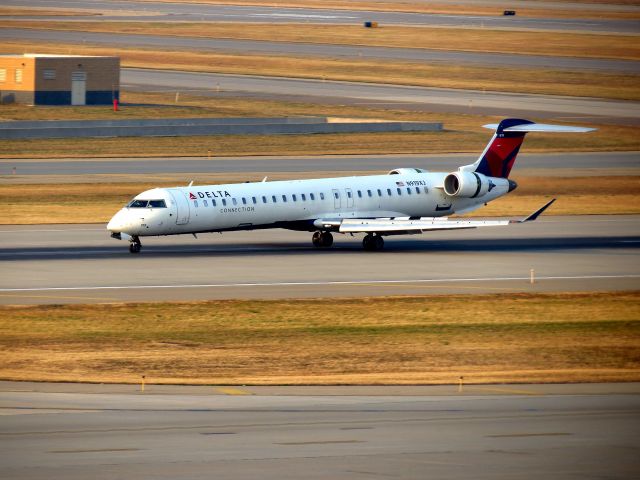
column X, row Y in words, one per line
column 182, row 206
column 349, row 194
column 337, row 202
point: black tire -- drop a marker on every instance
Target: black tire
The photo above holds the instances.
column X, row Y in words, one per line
column 316, row 239
column 367, row 242
column 326, row 239
column 134, row 247
column 378, row 242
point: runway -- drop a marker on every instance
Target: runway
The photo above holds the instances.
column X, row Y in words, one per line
column 608, row 163
column 80, row 263
column 194, row 12
column 579, row 109
column 485, row 432
column 414, row 55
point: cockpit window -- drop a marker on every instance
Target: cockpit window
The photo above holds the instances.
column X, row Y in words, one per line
column 147, row 203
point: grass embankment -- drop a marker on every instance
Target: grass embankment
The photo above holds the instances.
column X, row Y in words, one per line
column 592, row 337
column 89, row 203
column 441, row 75
column 543, row 10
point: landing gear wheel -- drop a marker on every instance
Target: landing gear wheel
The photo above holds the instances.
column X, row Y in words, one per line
column 316, row 239
column 372, row 242
column 135, row 246
column 322, row 239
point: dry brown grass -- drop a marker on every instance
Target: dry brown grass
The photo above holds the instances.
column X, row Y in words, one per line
column 541, row 11
column 491, row 338
column 472, row 40
column 93, row 203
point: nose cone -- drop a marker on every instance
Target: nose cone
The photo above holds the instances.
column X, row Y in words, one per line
column 116, row 224
column 512, row 185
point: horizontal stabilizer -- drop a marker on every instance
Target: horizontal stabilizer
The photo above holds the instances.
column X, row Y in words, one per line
column 541, row 127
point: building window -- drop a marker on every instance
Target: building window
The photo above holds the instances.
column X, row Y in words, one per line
column 3, row 75
column 18, row 75
column 49, row 74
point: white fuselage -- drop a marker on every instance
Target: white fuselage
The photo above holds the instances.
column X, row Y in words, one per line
column 294, row 204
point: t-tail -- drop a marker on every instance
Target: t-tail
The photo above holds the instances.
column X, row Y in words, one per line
column 500, row 154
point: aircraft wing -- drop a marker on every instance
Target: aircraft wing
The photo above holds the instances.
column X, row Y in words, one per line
column 406, row 225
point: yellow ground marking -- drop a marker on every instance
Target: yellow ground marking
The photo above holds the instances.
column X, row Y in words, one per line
column 232, row 391
column 510, row 391
column 59, row 296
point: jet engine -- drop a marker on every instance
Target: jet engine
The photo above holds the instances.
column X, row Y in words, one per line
column 466, row 184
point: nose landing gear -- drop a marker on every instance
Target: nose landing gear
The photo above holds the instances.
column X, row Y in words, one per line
column 322, row 239
column 135, row 245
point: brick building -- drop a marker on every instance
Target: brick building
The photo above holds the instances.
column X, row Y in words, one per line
column 37, row 79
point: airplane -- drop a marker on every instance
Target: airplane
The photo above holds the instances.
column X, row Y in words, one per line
column 404, row 201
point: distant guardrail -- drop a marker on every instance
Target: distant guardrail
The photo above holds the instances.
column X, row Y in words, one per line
column 177, row 127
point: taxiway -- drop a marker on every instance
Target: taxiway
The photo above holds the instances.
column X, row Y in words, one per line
column 485, row 432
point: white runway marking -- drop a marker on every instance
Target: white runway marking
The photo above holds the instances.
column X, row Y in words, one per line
column 325, row 283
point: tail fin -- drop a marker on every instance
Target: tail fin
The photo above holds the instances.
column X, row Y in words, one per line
column 500, row 154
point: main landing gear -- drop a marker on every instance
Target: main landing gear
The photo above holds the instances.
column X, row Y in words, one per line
column 372, row 242
column 322, row 239
column 135, row 245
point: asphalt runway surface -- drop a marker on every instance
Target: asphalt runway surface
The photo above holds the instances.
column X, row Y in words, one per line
column 414, row 55
column 389, row 96
column 161, row 11
column 602, row 162
column 485, row 432
column 45, row 264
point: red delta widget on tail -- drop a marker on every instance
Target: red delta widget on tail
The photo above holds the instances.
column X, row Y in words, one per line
column 404, row 201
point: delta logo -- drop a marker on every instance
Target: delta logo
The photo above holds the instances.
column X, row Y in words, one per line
column 216, row 194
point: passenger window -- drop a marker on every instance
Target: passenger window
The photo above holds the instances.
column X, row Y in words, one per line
column 244, row 201
column 409, row 190
column 359, row 194
column 195, row 203
column 389, row 191
column 369, row 193
column 264, row 199
column 284, row 198
column 336, row 194
column 213, row 203
column 399, row 192
column 254, row 200
column 321, row 196
column 417, row 189
column 312, row 196
column 293, row 197
column 379, row 192
column 349, row 194
column 273, row 197
column 204, row 203
column 235, row 202
column 303, row 197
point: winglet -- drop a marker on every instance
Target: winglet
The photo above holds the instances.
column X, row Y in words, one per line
column 537, row 213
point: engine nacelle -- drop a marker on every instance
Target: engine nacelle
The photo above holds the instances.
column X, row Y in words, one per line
column 466, row 184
